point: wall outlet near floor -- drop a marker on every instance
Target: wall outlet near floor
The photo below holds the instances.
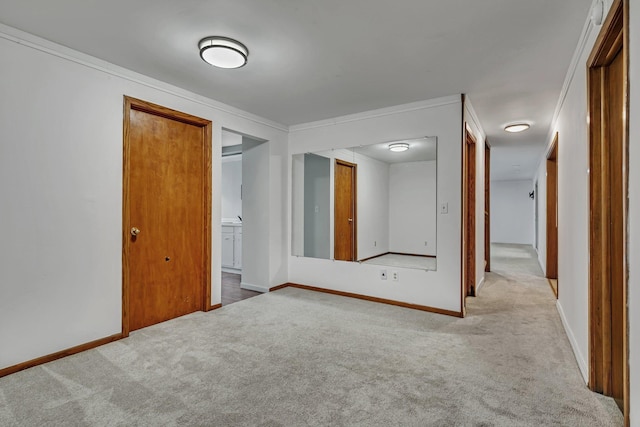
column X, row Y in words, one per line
column 383, row 274
column 395, row 276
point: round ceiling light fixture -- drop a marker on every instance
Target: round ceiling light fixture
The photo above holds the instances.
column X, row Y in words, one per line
column 517, row 127
column 223, row 52
column 399, row 147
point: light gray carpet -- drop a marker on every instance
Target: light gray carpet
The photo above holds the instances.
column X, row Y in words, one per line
column 404, row 261
column 296, row 357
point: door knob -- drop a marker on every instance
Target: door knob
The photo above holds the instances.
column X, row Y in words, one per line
column 134, row 231
column 350, row 219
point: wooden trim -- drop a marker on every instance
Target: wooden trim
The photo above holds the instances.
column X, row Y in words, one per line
column 487, row 206
column 214, row 307
column 207, row 200
column 206, row 125
column 370, row 298
column 613, row 37
column 468, row 213
column 395, row 253
column 277, row 288
column 552, row 212
column 58, row 355
column 402, row 253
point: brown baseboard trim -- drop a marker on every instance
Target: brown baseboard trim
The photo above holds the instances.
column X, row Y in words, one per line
column 400, row 253
column 372, row 299
column 58, row 355
column 276, row 288
column 214, row 307
column 372, row 257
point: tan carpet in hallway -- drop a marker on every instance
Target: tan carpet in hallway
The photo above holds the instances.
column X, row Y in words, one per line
column 296, row 357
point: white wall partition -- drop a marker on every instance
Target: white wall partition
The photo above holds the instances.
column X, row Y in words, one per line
column 440, row 117
column 61, row 186
column 512, row 212
column 231, row 187
column 412, row 210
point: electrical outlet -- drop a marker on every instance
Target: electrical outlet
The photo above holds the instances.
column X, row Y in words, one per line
column 394, row 276
column 383, row 274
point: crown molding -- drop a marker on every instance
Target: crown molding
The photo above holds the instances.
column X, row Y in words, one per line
column 387, row 111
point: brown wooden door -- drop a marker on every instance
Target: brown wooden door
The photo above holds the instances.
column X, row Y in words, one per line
column 168, row 163
column 345, row 211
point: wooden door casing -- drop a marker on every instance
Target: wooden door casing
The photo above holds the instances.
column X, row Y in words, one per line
column 552, row 211
column 167, row 187
column 608, row 89
column 345, row 248
column 469, row 213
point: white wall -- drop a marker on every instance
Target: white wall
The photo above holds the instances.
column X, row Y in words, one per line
column 61, row 186
column 512, row 212
column 231, row 187
column 634, row 210
column 413, row 210
column 573, row 209
column 373, row 211
column 442, row 118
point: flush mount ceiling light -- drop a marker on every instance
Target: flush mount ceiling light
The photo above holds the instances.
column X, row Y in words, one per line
column 517, row 127
column 223, row 52
column 398, row 147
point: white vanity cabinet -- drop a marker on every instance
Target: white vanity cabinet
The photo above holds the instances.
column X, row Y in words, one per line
column 232, row 246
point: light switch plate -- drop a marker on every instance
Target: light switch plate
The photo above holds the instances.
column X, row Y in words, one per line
column 444, row 208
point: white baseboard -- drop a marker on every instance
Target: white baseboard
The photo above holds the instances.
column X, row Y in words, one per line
column 250, row 287
column 231, row 270
column 582, row 362
column 480, row 286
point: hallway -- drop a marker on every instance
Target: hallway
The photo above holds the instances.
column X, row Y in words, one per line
column 534, row 352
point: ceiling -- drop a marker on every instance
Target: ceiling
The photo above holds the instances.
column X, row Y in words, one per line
column 311, row 60
column 422, row 149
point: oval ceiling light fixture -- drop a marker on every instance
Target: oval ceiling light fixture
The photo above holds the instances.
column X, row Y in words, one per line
column 517, row 127
column 399, row 147
column 223, row 52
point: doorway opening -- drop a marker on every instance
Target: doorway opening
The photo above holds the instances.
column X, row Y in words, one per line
column 243, row 169
column 166, row 256
column 608, row 194
column 552, row 216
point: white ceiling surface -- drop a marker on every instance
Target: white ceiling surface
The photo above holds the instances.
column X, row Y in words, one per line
column 423, row 149
column 311, row 60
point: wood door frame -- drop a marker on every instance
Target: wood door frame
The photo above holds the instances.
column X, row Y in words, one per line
column 469, row 159
column 354, row 184
column 612, row 40
column 551, row 270
column 206, row 126
column 487, row 206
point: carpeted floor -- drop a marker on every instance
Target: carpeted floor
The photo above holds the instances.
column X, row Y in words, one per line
column 296, row 357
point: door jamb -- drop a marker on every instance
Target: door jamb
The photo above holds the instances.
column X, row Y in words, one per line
column 206, row 126
column 468, row 258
